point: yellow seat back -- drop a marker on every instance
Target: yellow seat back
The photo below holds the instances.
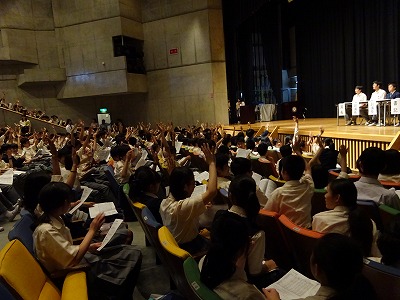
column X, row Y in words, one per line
column 20, row 271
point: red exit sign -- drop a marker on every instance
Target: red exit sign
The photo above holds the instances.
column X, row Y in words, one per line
column 173, row 51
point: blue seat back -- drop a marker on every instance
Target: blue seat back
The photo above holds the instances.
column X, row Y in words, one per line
column 22, row 231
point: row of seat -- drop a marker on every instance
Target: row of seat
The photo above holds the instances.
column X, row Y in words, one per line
column 181, row 266
column 291, row 247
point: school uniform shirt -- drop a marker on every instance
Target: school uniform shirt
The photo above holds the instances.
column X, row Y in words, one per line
column 378, row 95
column 53, row 245
column 118, row 167
column 393, row 178
column 335, row 220
column 182, row 217
column 293, row 199
column 239, row 289
column 29, row 152
column 371, row 189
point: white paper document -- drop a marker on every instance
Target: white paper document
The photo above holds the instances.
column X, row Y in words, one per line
column 110, row 233
column 242, row 152
column 108, row 208
column 178, row 146
column 295, row 285
column 257, row 178
column 199, row 177
column 85, row 194
column 199, row 190
column 142, row 160
column 7, row 177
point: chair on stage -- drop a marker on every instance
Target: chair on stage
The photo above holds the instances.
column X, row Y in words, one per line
column 23, row 277
column 384, row 279
column 301, row 241
column 276, row 245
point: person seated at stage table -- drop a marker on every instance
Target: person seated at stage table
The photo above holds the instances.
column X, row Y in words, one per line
column 293, row 199
column 393, row 94
column 378, row 94
column 391, row 172
column 359, row 96
column 370, row 163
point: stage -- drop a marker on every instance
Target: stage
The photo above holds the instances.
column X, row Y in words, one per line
column 356, row 138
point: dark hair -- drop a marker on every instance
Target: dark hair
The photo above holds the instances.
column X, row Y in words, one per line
column 223, row 150
column 240, row 166
column 394, row 84
column 392, row 162
column 34, row 182
column 286, row 150
column 53, row 196
column 359, row 87
column 294, row 166
column 242, row 191
column 389, row 242
column 341, row 260
column 141, row 180
column 229, row 240
column 23, row 141
column 379, row 83
column 347, row 191
column 320, row 176
column 180, row 177
column 262, row 149
column 221, row 160
column 250, row 133
column 371, row 161
column 119, row 151
column 250, row 144
column 288, row 139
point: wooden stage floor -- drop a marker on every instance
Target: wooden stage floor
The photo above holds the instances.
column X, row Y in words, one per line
column 359, row 132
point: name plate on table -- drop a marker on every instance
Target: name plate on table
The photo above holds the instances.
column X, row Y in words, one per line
column 395, row 106
column 372, row 108
column 342, row 109
column 355, row 108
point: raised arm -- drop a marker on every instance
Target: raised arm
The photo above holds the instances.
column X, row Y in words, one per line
column 212, row 170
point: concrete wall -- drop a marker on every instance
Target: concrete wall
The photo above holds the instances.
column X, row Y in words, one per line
column 57, row 56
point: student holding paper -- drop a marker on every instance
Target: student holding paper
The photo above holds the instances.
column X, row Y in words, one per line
column 180, row 211
column 113, row 275
column 336, row 263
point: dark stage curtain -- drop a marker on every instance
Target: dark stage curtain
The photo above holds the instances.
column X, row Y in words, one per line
column 341, row 44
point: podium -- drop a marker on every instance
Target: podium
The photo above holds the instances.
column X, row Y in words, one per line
column 247, row 114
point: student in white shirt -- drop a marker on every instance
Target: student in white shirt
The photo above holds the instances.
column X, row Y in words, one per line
column 358, row 97
column 336, row 263
column 378, row 94
column 293, row 199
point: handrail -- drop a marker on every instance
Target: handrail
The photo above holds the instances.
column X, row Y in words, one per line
column 32, row 118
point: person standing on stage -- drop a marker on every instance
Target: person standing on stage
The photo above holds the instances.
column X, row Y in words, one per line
column 359, row 96
column 378, row 94
column 393, row 94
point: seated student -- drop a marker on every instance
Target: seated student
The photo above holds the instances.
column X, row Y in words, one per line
column 391, row 172
column 345, row 217
column 122, row 156
column 180, row 211
column 389, row 243
column 293, row 199
column 242, row 166
column 336, row 263
column 28, row 150
column 262, row 149
column 286, row 150
column 144, row 188
column 55, row 251
column 370, row 163
column 223, row 171
column 329, row 155
column 223, row 268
